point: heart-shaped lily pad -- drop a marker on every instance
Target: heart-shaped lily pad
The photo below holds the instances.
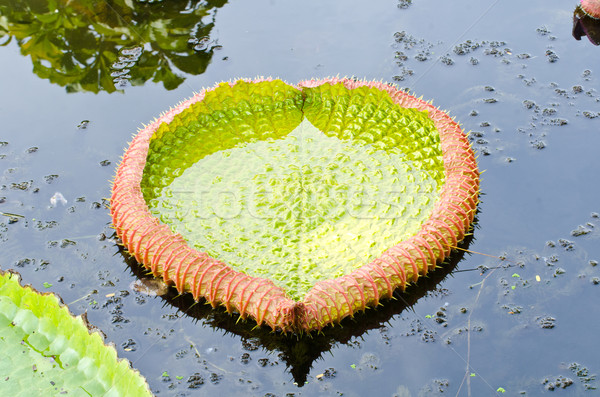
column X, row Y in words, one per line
column 298, row 205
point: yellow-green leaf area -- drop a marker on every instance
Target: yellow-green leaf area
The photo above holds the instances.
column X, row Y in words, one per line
column 368, row 115
column 47, row 352
column 337, row 180
column 227, row 117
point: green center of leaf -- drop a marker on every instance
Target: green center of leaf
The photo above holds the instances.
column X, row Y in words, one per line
column 294, row 186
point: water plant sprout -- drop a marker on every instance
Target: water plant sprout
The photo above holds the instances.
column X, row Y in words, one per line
column 296, row 205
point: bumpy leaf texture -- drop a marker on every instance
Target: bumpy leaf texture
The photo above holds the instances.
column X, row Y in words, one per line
column 296, row 205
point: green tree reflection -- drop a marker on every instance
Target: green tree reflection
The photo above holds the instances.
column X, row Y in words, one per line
column 87, row 45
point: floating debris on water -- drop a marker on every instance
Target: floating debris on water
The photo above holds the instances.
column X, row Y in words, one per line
column 560, row 382
column 50, row 178
column 149, row 286
column 547, row 322
column 127, row 59
column 58, row 198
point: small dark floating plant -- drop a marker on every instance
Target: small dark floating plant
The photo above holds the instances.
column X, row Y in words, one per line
column 299, row 205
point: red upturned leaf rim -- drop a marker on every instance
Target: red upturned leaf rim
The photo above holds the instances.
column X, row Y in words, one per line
column 167, row 255
column 591, row 8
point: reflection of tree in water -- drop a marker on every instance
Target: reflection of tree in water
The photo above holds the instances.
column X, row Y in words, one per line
column 88, row 45
column 300, row 351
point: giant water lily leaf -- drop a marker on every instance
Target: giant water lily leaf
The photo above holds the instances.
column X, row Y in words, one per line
column 45, row 351
column 297, row 205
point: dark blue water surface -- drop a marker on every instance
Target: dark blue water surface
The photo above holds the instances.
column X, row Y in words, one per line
column 511, row 72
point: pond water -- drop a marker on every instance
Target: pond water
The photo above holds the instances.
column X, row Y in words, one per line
column 78, row 83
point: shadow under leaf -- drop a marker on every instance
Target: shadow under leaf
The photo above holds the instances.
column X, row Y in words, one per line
column 299, row 352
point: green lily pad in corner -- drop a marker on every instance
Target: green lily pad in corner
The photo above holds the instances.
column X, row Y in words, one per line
column 45, row 351
column 296, row 205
